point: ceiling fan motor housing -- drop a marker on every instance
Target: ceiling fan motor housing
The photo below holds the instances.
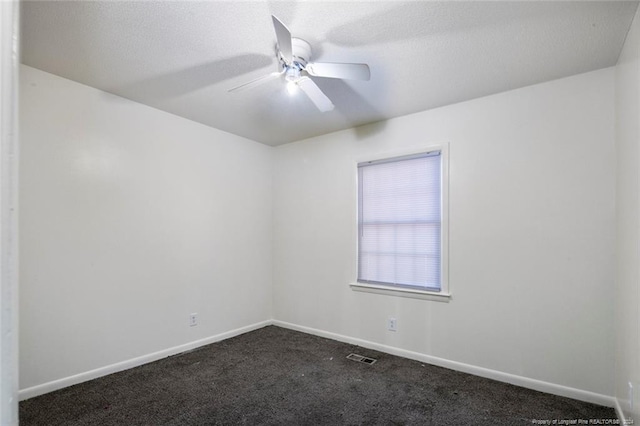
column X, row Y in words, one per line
column 301, row 51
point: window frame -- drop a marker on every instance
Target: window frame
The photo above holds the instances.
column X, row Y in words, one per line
column 444, row 294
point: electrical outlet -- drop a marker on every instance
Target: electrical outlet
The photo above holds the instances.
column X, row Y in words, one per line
column 193, row 319
column 392, row 324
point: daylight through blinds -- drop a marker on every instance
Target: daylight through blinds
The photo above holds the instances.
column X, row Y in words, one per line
column 400, row 221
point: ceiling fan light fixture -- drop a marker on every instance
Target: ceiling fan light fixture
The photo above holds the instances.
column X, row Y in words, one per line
column 292, row 74
column 292, row 87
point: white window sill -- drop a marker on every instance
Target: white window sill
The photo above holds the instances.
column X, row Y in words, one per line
column 401, row 292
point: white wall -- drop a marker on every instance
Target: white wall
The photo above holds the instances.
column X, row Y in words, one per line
column 627, row 319
column 131, row 219
column 532, row 234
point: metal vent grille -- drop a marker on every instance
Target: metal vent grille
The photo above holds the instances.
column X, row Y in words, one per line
column 360, row 358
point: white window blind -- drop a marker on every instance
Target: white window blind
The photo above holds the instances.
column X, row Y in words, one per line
column 400, row 221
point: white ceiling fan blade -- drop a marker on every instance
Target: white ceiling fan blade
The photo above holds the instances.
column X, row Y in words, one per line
column 258, row 81
column 284, row 40
column 316, row 95
column 337, row 70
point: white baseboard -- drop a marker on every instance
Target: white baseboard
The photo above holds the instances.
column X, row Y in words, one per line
column 131, row 363
column 525, row 382
column 620, row 414
column 513, row 379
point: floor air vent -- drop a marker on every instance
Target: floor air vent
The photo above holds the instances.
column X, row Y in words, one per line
column 360, row 358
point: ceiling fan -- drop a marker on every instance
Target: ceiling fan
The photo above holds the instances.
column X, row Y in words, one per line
column 293, row 56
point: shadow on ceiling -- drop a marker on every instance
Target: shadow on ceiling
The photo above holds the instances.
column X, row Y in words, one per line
column 421, row 19
column 184, row 81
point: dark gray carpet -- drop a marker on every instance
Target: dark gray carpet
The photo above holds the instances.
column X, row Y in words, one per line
column 275, row 376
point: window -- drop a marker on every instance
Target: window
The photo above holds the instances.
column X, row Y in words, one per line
column 401, row 222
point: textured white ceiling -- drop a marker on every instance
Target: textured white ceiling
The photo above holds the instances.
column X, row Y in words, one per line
column 183, row 56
